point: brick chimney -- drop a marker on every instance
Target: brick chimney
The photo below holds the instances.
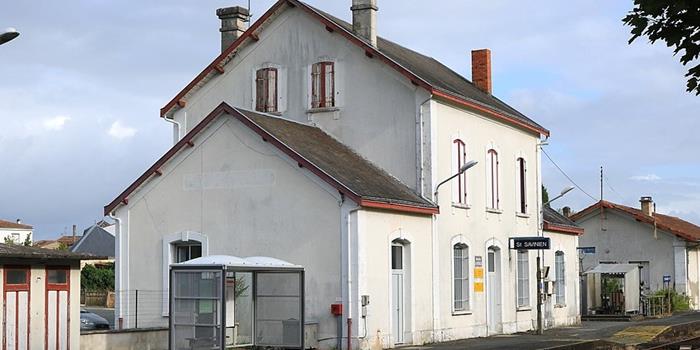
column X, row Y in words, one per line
column 566, row 211
column 481, row 69
column 364, row 19
column 234, row 21
column 647, row 205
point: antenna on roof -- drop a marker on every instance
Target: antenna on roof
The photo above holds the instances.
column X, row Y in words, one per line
column 250, row 13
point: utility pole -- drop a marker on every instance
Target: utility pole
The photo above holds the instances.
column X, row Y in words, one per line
column 539, row 295
column 601, row 182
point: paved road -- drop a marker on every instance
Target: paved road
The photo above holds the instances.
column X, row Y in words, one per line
column 589, row 330
column 108, row 314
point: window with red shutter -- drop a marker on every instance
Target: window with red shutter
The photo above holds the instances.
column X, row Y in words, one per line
column 323, row 85
column 493, row 195
column 266, row 90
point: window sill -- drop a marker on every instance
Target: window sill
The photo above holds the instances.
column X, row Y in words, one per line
column 522, row 215
column 461, row 313
column 523, row 308
column 559, row 306
column 494, row 211
column 322, row 110
column 461, row 206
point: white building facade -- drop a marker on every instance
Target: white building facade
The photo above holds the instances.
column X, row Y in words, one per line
column 337, row 172
column 15, row 232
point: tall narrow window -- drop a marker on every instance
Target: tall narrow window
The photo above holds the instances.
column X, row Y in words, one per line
column 522, row 188
column 560, row 281
column 266, row 90
column 461, row 277
column 323, row 85
column 459, row 154
column 523, row 278
column 492, row 177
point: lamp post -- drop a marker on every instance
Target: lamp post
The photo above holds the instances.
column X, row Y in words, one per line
column 8, row 34
column 464, row 168
column 540, row 296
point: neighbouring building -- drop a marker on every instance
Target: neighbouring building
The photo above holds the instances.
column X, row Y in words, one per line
column 15, row 231
column 40, row 297
column 95, row 240
column 317, row 142
column 666, row 247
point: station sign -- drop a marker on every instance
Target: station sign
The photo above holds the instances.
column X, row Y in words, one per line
column 667, row 278
column 586, row 250
column 527, row 243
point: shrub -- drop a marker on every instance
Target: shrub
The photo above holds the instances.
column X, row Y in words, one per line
column 97, row 278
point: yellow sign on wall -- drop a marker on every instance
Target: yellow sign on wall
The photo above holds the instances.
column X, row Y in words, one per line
column 478, row 272
column 479, row 287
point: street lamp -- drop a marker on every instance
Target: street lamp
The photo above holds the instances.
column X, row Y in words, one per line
column 464, row 168
column 8, row 34
column 539, row 265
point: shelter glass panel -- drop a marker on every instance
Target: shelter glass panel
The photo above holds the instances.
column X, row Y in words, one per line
column 196, row 309
column 278, row 309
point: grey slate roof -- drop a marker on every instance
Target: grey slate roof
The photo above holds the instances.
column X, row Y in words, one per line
column 436, row 74
column 96, row 241
column 554, row 217
column 17, row 251
column 338, row 161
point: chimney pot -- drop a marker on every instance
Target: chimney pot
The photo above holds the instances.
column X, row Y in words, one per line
column 19, row 221
column 234, row 21
column 481, row 70
column 364, row 19
column 566, row 211
column 647, row 205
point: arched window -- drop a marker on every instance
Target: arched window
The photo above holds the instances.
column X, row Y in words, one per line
column 460, row 273
column 493, row 199
column 459, row 158
column 323, row 85
column 266, row 90
column 523, row 278
column 522, row 186
column 560, row 282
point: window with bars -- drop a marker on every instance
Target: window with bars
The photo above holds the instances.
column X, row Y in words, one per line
column 493, row 198
column 323, row 85
column 461, row 277
column 523, row 278
column 560, row 282
column 266, row 90
column 522, row 186
column 459, row 155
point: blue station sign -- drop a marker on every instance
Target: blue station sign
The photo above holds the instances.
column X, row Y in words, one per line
column 527, row 243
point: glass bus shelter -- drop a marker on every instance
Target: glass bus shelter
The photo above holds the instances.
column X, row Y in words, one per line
column 226, row 302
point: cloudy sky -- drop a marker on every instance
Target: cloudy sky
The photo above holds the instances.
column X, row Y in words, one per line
column 81, row 88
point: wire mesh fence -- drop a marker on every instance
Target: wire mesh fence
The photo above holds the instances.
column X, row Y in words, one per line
column 141, row 308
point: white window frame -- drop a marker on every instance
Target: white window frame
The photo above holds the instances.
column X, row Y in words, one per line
column 461, row 240
column 169, row 242
column 492, row 196
column 522, row 279
column 281, row 87
column 560, row 281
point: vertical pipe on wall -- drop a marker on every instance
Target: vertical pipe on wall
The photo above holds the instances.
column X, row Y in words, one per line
column 118, row 250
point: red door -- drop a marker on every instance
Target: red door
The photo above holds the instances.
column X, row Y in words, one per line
column 57, row 308
column 15, row 318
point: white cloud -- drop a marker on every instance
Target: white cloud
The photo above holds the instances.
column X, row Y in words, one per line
column 647, row 177
column 56, row 123
column 120, row 132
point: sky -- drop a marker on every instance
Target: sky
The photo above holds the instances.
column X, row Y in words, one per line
column 81, row 89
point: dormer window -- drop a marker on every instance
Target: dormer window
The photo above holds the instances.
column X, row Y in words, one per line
column 323, row 85
column 266, row 90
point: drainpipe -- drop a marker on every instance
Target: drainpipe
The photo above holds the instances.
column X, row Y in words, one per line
column 118, row 253
column 419, row 146
column 349, row 325
column 176, row 134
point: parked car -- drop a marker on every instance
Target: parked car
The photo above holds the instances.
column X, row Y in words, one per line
column 91, row 321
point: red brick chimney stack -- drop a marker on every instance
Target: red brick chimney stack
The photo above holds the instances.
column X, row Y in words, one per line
column 481, row 70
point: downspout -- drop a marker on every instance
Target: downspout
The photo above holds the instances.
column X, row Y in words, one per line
column 349, row 325
column 176, row 135
column 421, row 152
column 118, row 253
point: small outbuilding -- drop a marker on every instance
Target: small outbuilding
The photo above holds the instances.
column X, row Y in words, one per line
column 613, row 289
column 221, row 302
column 40, row 292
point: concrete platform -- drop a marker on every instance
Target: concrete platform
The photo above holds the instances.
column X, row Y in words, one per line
column 633, row 331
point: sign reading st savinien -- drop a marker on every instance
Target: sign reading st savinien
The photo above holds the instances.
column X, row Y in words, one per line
column 524, row 243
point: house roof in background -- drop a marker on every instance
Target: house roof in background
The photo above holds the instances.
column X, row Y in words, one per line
column 421, row 70
column 16, row 251
column 554, row 221
column 338, row 165
column 96, row 241
column 14, row 225
column 674, row 225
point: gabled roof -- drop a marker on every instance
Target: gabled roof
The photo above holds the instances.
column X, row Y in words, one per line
column 95, row 240
column 11, row 224
column 556, row 222
column 421, row 70
column 676, row 226
column 338, row 165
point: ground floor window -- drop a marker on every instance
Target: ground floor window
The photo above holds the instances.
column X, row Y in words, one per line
column 560, row 281
column 187, row 251
column 523, row 278
column 461, row 277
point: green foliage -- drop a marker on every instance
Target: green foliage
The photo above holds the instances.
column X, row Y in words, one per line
column 611, row 285
column 9, row 240
column 28, row 240
column 545, row 195
column 62, row 246
column 679, row 302
column 97, row 278
column 675, row 22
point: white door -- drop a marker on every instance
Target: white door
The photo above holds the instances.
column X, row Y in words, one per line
column 16, row 308
column 57, row 308
column 397, row 293
column 493, row 284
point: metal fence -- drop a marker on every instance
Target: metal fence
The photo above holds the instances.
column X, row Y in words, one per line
column 656, row 305
column 141, row 309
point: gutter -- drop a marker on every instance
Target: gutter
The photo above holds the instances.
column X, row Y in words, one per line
column 178, row 127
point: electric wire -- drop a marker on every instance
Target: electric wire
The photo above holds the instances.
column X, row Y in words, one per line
column 567, row 176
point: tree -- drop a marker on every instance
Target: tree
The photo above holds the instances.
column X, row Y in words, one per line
column 8, row 240
column 545, row 195
column 28, row 240
column 677, row 22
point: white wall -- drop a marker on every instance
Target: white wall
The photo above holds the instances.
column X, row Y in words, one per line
column 567, row 314
column 16, row 234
